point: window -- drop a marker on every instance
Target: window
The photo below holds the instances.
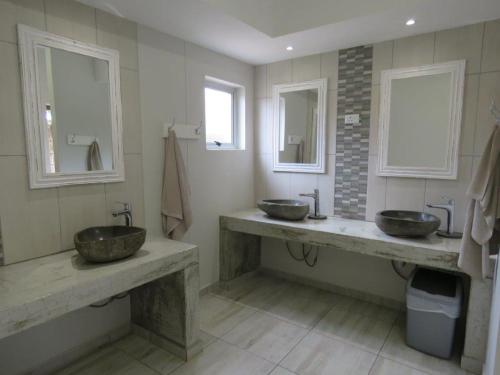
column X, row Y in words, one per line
column 223, row 115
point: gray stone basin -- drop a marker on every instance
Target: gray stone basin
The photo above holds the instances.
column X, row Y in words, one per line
column 286, row 209
column 106, row 244
column 407, row 223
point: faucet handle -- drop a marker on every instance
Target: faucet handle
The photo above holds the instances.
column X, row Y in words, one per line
column 126, row 205
column 450, row 201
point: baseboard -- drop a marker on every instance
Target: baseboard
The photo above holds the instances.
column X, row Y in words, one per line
column 66, row 358
column 379, row 300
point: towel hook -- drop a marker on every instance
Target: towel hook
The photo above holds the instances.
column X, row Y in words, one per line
column 173, row 124
column 197, row 131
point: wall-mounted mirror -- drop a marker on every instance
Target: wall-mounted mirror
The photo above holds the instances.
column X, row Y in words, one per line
column 299, row 126
column 420, row 117
column 72, row 110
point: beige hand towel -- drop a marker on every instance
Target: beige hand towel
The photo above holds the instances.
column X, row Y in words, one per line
column 482, row 212
column 94, row 160
column 175, row 197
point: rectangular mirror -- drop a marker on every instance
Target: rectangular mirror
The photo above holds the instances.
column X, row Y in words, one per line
column 72, row 110
column 420, row 118
column 299, row 126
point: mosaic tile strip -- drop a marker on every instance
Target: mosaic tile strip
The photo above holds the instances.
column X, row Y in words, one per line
column 351, row 167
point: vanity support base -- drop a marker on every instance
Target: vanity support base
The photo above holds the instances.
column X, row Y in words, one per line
column 165, row 311
column 239, row 253
column 478, row 318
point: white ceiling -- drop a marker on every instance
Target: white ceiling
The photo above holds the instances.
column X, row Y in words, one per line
column 257, row 31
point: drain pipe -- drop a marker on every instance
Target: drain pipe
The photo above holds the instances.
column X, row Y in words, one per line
column 403, row 269
column 305, row 254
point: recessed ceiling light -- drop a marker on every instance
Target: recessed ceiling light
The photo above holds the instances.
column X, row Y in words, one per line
column 289, row 48
column 410, row 22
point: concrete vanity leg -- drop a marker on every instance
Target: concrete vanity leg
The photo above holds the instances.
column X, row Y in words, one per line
column 476, row 331
column 239, row 254
column 165, row 311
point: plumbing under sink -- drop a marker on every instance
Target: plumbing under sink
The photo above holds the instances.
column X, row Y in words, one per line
column 109, row 243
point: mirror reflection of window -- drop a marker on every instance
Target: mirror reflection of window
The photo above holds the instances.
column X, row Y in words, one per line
column 298, row 127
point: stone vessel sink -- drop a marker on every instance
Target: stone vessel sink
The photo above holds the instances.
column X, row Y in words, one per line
column 106, row 244
column 407, row 223
column 286, row 209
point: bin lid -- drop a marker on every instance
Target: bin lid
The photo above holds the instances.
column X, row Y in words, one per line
column 435, row 282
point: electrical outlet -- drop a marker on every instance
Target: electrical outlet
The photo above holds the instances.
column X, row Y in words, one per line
column 294, row 139
column 351, row 119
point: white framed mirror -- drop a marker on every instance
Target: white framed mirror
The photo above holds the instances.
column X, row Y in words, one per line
column 299, row 126
column 420, row 120
column 72, row 110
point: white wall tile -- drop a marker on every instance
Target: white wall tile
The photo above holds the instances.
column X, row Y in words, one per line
column 11, row 111
column 260, row 176
column 306, row 68
column 461, row 43
column 326, row 186
column 330, row 68
column 331, row 125
column 376, row 191
column 131, row 111
column 80, row 207
column 491, row 47
column 120, row 34
column 26, row 12
column 405, row 194
column 469, row 115
column 374, row 120
column 303, row 183
column 382, row 59
column 30, row 218
column 263, row 126
column 71, row 19
column 278, row 72
column 131, row 191
column 455, row 189
column 260, row 81
column 489, row 87
column 278, row 183
column 414, row 51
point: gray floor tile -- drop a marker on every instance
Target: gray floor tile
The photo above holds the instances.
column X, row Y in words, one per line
column 385, row 366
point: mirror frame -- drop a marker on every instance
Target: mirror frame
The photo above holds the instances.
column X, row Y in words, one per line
column 29, row 39
column 319, row 166
column 450, row 171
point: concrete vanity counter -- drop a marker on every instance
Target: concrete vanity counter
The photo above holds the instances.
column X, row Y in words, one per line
column 162, row 276
column 240, row 252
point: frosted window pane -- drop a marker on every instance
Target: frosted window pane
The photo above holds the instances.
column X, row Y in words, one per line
column 218, row 116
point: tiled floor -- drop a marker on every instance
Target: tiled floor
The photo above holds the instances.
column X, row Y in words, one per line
column 265, row 325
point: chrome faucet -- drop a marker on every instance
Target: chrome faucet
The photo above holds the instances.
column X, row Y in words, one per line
column 127, row 212
column 449, row 207
column 315, row 196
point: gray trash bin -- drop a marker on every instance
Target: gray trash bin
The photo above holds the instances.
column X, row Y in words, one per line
column 434, row 303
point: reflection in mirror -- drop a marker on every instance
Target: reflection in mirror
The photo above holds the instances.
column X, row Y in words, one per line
column 299, row 126
column 298, row 118
column 75, row 93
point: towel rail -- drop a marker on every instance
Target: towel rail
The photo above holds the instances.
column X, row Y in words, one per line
column 183, row 131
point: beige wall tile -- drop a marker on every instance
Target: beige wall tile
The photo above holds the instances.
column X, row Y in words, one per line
column 131, row 111
column 26, row 12
column 461, row 43
column 455, row 189
column 414, row 51
column 405, row 194
column 278, row 72
column 376, row 190
column 118, row 33
column 382, row 59
column 374, row 120
column 331, row 125
column 469, row 115
column 130, row 191
column 491, row 47
column 30, row 218
column 71, row 19
column 330, row 68
column 11, row 111
column 306, row 68
column 80, row 207
column 489, row 87
column 260, row 81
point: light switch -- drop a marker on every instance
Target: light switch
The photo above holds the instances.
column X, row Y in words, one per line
column 294, row 139
column 351, row 119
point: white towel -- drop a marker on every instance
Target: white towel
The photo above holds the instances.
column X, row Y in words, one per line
column 175, row 200
column 482, row 212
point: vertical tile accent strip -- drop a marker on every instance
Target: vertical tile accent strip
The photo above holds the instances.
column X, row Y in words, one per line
column 351, row 167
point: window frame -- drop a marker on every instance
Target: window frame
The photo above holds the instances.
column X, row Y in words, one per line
column 215, row 84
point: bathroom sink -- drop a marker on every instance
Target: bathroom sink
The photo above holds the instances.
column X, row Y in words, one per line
column 106, row 244
column 407, row 223
column 287, row 209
